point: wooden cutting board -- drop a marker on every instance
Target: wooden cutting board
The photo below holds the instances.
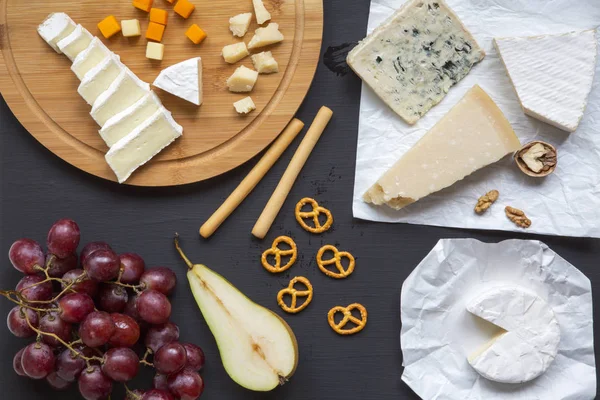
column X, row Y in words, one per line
column 41, row 90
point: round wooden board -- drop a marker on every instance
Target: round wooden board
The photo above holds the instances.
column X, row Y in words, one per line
column 39, row 87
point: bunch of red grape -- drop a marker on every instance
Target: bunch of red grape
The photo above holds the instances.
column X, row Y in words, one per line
column 89, row 313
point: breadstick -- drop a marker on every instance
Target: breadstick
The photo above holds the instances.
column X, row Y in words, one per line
column 249, row 183
column 290, row 175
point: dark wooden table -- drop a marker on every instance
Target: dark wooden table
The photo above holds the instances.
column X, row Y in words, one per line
column 38, row 188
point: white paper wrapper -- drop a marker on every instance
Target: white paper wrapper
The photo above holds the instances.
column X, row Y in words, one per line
column 566, row 203
column 438, row 333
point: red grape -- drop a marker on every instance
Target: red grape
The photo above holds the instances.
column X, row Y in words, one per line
column 87, row 285
column 17, row 322
column 56, row 382
column 195, row 356
column 90, row 248
column 186, row 385
column 32, row 290
column 37, row 360
column 131, row 309
column 132, row 266
column 63, row 238
column 17, row 365
column 25, row 255
column 127, row 331
column 93, row 384
column 102, row 265
column 74, row 307
column 112, row 298
column 60, row 266
column 160, row 382
column 159, row 335
column 69, row 366
column 170, row 358
column 157, row 394
column 96, row 329
column 51, row 323
column 159, row 278
column 154, row 307
column 121, row 364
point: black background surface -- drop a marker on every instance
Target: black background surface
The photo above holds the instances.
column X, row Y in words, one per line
column 38, row 188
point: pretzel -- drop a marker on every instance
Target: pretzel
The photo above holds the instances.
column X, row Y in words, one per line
column 314, row 214
column 337, row 260
column 308, row 293
column 278, row 253
column 348, row 317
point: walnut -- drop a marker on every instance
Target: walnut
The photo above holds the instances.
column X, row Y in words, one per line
column 486, row 201
column 517, row 216
column 537, row 159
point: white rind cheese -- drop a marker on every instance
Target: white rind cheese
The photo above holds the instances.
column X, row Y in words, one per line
column 245, row 105
column 242, row 80
column 75, row 43
column 415, row 57
column 146, row 141
column 183, row 80
column 93, row 55
column 266, row 36
column 126, row 121
column 264, row 63
column 233, row 53
column 529, row 341
column 239, row 24
column 262, row 14
column 552, row 74
column 121, row 94
column 472, row 135
column 56, row 27
column 99, row 78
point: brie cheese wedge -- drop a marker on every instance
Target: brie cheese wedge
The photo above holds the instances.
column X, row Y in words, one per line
column 99, row 78
column 146, row 141
column 93, row 55
column 56, row 27
column 183, row 80
column 552, row 74
column 529, row 341
column 122, row 93
column 126, row 121
column 75, row 43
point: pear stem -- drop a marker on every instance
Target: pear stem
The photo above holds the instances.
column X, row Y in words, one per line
column 187, row 260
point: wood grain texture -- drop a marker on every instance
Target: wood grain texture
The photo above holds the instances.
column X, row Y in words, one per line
column 41, row 90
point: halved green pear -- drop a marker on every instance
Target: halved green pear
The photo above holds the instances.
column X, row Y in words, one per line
column 258, row 349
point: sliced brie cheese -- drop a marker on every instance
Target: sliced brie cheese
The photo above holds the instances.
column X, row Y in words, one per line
column 266, row 36
column 262, row 15
column 99, row 78
column 183, row 80
column 242, row 80
column 233, row 53
column 56, row 27
column 93, row 55
column 143, row 143
column 265, row 63
column 529, row 341
column 415, row 57
column 244, row 106
column 75, row 43
column 472, row 135
column 122, row 93
column 126, row 121
column 552, row 74
column 239, row 24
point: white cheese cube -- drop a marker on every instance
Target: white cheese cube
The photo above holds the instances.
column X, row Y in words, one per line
column 56, row 27
column 95, row 53
column 99, row 78
column 75, row 43
column 235, row 52
column 122, row 93
column 245, row 105
column 239, row 24
column 183, row 80
column 143, row 143
column 131, row 27
column 266, row 36
column 262, row 15
column 265, row 63
column 126, row 121
column 242, row 80
column 155, row 51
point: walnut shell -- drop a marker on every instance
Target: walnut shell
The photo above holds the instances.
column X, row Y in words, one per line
column 549, row 167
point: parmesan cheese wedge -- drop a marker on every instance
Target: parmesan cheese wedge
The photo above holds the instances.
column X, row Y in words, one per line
column 266, row 36
column 262, row 15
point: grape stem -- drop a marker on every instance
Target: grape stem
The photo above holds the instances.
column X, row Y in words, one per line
column 130, row 395
column 144, row 360
column 136, row 288
column 187, row 260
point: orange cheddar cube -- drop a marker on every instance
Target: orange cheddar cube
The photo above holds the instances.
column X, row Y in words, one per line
column 159, row 16
column 184, row 8
column 109, row 26
column 155, row 31
column 171, row 1
column 144, row 5
column 195, row 34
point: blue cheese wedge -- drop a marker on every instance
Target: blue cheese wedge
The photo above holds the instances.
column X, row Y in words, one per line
column 126, row 121
column 143, row 143
column 415, row 57
column 75, row 43
column 93, row 55
column 56, row 27
column 99, row 78
column 121, row 94
column 183, row 80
